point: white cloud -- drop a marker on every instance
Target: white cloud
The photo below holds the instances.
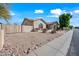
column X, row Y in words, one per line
column 56, row 16
column 12, row 13
column 71, row 12
column 59, row 11
column 64, row 11
column 39, row 17
column 56, row 11
column 76, row 11
column 39, row 11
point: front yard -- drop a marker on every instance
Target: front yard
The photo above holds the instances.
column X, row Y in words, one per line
column 20, row 43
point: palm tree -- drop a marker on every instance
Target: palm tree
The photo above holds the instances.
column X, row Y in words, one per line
column 4, row 13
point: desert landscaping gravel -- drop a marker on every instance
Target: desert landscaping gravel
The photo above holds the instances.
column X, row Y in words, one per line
column 21, row 44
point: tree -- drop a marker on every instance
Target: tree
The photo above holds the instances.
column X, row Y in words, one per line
column 4, row 12
column 64, row 20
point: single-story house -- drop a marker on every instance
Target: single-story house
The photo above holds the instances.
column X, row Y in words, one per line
column 38, row 24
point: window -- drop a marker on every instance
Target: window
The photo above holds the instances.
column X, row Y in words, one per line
column 41, row 25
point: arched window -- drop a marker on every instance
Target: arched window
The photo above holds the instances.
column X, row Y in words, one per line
column 41, row 25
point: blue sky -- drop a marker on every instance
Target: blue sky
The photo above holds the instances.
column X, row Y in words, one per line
column 48, row 11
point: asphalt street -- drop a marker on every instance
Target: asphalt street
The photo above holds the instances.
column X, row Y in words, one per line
column 74, row 46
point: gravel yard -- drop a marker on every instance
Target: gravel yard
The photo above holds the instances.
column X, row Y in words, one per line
column 21, row 44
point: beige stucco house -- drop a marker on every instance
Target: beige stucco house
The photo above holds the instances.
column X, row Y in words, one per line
column 38, row 24
column 29, row 25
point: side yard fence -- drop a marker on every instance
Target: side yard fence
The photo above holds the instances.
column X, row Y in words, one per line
column 15, row 28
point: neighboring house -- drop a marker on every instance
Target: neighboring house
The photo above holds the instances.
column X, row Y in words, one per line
column 53, row 25
column 39, row 24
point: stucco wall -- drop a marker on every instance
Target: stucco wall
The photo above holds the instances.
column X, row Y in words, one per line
column 1, row 39
column 37, row 22
column 9, row 29
column 16, row 28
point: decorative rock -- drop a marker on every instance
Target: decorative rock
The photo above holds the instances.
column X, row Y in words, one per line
column 37, row 45
column 28, row 50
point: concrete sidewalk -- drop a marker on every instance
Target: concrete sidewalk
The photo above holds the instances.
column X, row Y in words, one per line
column 57, row 47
